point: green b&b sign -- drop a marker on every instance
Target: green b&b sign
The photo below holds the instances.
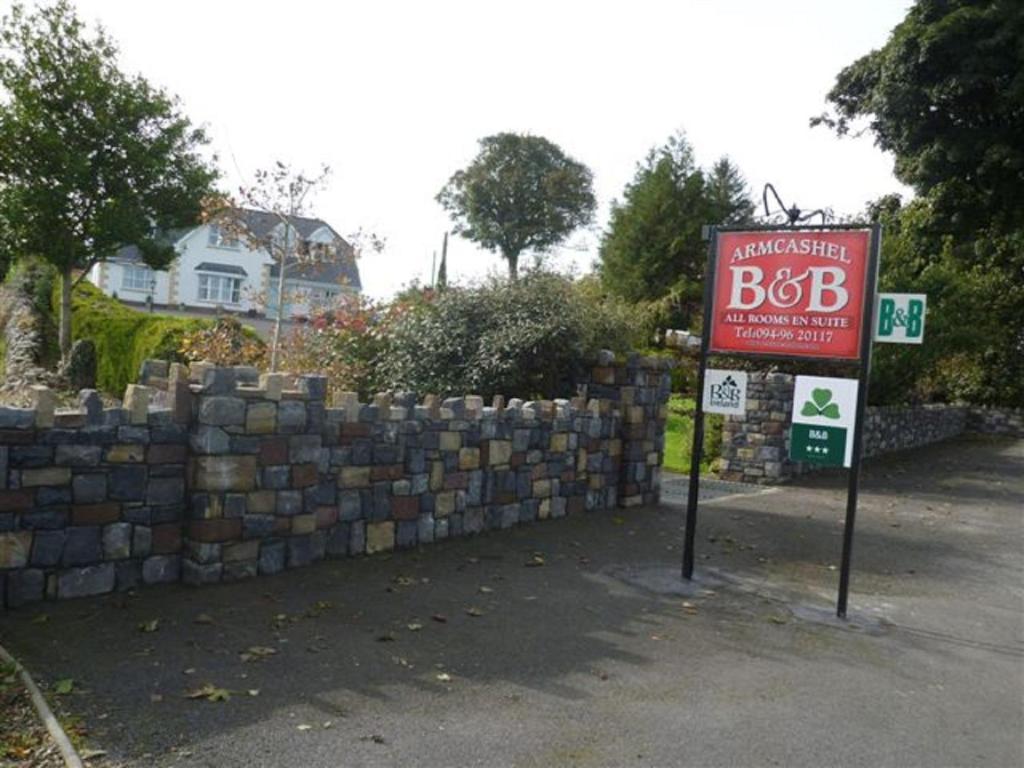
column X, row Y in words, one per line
column 900, row 318
column 824, row 413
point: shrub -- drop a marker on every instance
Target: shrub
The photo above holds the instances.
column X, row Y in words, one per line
column 225, row 342
column 345, row 344
column 529, row 338
column 124, row 337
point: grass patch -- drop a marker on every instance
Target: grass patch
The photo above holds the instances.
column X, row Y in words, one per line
column 679, row 436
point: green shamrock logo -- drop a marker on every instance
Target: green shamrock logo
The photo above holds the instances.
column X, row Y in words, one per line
column 821, row 404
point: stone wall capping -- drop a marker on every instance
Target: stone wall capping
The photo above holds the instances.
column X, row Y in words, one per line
column 44, row 403
column 136, row 403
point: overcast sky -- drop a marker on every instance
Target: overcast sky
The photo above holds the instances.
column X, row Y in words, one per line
column 394, row 95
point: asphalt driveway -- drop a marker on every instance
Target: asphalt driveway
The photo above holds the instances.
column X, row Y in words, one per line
column 573, row 642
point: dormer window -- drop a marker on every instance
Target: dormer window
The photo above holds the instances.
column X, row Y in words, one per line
column 221, row 239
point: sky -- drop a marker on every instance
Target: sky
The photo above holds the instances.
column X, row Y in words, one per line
column 394, row 96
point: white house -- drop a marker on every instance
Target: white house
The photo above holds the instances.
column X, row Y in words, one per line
column 214, row 271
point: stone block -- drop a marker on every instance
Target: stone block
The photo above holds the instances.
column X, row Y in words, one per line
column 303, row 524
column 47, row 548
column 380, row 537
column 127, row 483
column 326, row 516
column 304, row 475
column 444, row 503
column 289, row 503
column 257, row 526
column 261, row 502
column 78, row 455
column 198, row 574
column 126, row 454
column 165, row 490
column 291, row 417
column 242, row 550
column 559, row 442
column 46, row 476
column 215, row 530
column 350, row 506
column 499, row 452
column 354, row 477
column 166, row 454
column 469, row 458
column 142, row 541
column 83, row 582
column 450, row 441
column 299, row 551
column 48, row 496
column 261, row 418
column 15, row 549
column 225, row 473
column 136, row 403
column 242, row 569
column 82, row 546
column 275, row 477
column 209, row 440
column 95, row 514
column 272, row 557
column 405, row 507
column 16, row 500
column 222, row 411
column 161, row 569
column 357, row 538
column 117, row 541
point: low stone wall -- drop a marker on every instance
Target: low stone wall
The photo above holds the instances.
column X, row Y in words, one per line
column 214, row 474
column 756, row 448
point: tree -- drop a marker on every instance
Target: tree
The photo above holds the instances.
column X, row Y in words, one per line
column 281, row 193
column 944, row 95
column 520, row 193
column 91, row 159
column 653, row 247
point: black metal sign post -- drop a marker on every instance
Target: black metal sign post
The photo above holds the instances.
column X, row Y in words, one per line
column 863, row 374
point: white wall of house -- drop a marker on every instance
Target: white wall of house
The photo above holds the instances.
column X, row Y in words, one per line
column 131, row 282
column 210, row 287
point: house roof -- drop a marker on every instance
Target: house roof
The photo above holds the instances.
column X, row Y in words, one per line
column 227, row 269
column 342, row 271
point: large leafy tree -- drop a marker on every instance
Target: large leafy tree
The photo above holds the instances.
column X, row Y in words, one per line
column 91, row 159
column 945, row 96
column 520, row 194
column 653, row 247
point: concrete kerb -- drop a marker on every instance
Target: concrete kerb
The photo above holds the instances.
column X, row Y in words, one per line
column 53, row 726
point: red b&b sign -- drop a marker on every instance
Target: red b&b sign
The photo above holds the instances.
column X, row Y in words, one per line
column 790, row 293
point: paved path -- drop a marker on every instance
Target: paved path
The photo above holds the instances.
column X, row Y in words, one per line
column 599, row 657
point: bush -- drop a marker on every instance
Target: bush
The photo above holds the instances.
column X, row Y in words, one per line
column 225, row 342
column 124, row 337
column 345, row 344
column 529, row 338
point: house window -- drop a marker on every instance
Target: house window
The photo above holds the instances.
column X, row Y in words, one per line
column 136, row 278
column 220, row 289
column 218, row 238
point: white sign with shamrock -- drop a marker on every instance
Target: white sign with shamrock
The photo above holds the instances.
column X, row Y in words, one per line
column 824, row 412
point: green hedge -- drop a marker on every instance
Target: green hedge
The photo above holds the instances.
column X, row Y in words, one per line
column 124, row 337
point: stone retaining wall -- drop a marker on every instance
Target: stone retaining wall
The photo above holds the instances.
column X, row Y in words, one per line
column 210, row 474
column 755, row 448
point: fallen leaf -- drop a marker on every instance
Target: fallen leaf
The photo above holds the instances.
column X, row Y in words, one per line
column 92, row 754
column 474, row 611
column 536, row 560
column 776, row 620
column 203, row 618
column 40, row 618
column 210, row 692
column 486, row 590
column 189, row 671
column 444, row 677
column 386, row 637
column 253, row 691
column 414, row 626
column 304, row 727
column 64, row 686
column 156, row 698
column 619, row 520
column 440, row 618
column 256, row 652
column 149, row 626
